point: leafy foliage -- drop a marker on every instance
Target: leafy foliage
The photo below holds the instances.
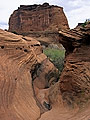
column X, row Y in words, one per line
column 86, row 22
column 56, row 56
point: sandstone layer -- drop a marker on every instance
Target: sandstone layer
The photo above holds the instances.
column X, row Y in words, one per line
column 23, row 78
column 37, row 18
column 75, row 78
column 74, row 84
column 70, row 97
column 30, row 89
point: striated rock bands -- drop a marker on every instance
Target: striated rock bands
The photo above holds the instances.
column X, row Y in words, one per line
column 19, row 57
column 74, row 84
column 28, row 79
column 37, row 18
column 29, row 84
column 75, row 78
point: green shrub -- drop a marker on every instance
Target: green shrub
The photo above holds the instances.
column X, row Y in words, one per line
column 56, row 56
column 86, row 22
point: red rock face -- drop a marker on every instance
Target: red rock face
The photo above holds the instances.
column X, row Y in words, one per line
column 22, row 64
column 75, row 78
column 37, row 18
column 19, row 57
column 74, row 84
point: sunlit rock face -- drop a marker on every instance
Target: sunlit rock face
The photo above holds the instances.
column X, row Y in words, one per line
column 70, row 97
column 21, row 80
column 37, row 18
column 29, row 83
column 30, row 88
column 75, row 78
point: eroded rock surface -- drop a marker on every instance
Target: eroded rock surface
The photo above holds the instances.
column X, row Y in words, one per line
column 19, row 57
column 75, row 78
column 28, row 80
column 41, row 22
column 37, row 18
column 70, row 97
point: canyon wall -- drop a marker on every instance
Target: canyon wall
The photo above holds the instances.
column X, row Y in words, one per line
column 30, row 88
column 37, row 18
column 23, row 76
column 70, row 97
column 75, row 78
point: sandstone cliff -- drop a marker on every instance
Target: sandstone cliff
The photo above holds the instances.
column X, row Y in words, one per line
column 74, row 84
column 37, row 18
column 23, row 78
column 30, row 88
column 29, row 83
column 75, row 78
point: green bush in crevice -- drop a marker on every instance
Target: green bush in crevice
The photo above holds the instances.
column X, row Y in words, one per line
column 56, row 56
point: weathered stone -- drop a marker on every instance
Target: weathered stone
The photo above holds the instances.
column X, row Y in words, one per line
column 73, row 89
column 75, row 78
column 18, row 58
column 26, row 76
column 37, row 18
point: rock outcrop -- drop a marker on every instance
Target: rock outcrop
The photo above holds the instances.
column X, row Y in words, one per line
column 23, row 78
column 75, row 78
column 29, row 82
column 37, row 18
column 73, row 89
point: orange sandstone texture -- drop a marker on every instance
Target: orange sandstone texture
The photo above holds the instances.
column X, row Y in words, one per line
column 75, row 78
column 70, row 97
column 28, row 88
column 19, row 57
column 37, row 18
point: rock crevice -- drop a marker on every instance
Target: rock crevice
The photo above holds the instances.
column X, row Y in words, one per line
column 29, row 89
column 18, row 57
